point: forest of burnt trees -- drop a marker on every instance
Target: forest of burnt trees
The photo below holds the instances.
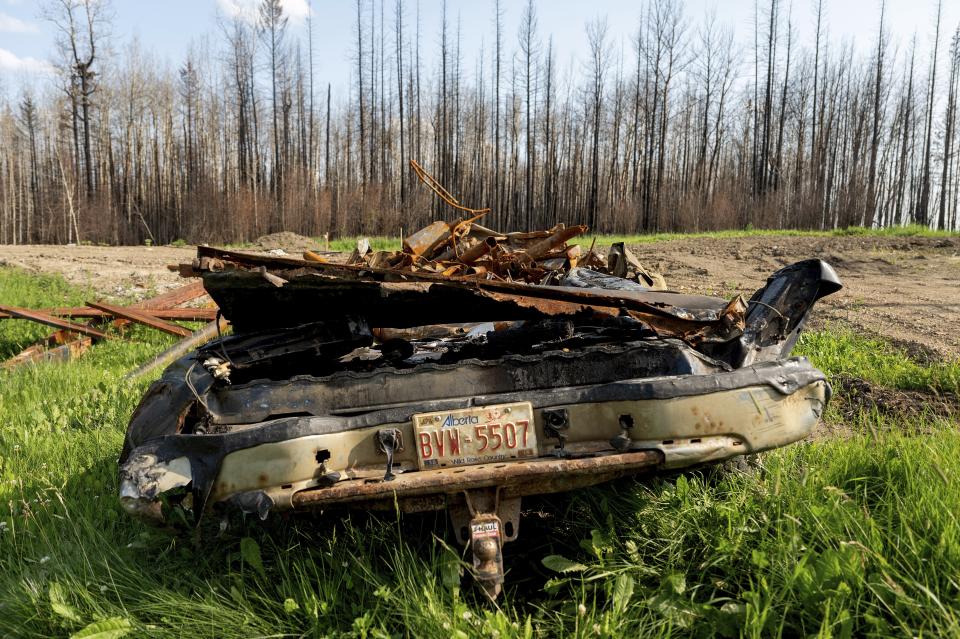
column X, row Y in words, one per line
column 681, row 127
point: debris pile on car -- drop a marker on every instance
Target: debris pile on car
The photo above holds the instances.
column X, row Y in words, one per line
column 467, row 249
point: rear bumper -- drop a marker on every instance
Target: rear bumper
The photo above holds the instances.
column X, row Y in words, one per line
column 310, row 461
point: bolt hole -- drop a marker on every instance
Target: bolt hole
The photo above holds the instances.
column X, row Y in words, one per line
column 668, row 441
column 323, row 455
column 626, row 421
column 285, row 486
column 696, row 441
column 508, row 529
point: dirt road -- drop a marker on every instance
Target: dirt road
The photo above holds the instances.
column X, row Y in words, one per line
column 906, row 290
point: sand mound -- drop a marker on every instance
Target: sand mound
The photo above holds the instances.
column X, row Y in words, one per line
column 289, row 242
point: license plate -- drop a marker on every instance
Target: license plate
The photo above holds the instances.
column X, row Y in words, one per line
column 475, row 435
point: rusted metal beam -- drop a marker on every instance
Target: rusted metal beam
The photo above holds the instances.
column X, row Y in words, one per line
column 478, row 250
column 540, row 476
column 181, row 348
column 50, row 320
column 176, row 297
column 559, row 238
column 139, row 317
column 181, row 314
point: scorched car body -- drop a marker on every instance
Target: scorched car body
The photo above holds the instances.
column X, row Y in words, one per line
column 357, row 386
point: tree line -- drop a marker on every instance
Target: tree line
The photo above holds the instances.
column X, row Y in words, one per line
column 678, row 128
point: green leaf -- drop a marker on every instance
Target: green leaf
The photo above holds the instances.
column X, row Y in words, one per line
column 675, row 583
column 250, row 551
column 112, row 628
column 59, row 605
column 450, row 570
column 289, row 605
column 759, row 559
column 554, row 584
column 622, row 592
column 527, row 629
column 560, row 564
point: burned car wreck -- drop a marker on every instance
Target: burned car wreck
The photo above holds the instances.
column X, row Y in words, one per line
column 381, row 387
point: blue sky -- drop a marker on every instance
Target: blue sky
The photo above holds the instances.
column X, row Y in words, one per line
column 167, row 28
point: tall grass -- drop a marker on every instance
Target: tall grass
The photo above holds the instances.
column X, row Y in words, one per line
column 838, row 538
column 839, row 350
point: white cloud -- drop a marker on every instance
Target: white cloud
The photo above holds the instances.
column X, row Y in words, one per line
column 10, row 61
column 296, row 10
column 11, row 24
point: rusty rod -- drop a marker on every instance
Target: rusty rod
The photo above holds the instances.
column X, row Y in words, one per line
column 456, row 480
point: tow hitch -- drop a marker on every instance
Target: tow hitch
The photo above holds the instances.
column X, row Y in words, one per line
column 484, row 521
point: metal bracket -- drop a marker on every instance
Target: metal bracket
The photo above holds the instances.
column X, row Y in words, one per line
column 556, row 423
column 622, row 441
column 485, row 522
column 389, row 440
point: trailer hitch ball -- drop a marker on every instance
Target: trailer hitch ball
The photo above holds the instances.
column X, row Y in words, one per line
column 486, row 543
column 484, row 522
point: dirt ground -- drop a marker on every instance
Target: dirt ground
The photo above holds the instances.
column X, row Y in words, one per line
column 906, row 289
column 117, row 271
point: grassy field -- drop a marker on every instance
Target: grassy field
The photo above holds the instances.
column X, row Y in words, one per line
column 393, row 244
column 837, row 537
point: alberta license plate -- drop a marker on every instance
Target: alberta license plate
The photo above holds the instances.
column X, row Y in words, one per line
column 475, row 435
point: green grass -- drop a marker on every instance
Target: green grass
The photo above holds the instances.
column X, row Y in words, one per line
column 913, row 230
column 377, row 243
column 841, row 351
column 384, row 243
column 832, row 538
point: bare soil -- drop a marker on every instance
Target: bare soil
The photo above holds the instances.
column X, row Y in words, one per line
column 286, row 242
column 860, row 395
column 906, row 290
column 115, row 271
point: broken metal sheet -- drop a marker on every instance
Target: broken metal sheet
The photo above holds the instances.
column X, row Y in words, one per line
column 61, row 346
column 623, row 263
column 398, row 300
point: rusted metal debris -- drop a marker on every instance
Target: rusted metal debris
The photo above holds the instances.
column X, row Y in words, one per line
column 398, row 298
column 42, row 318
column 86, row 312
column 465, row 249
column 73, row 338
column 60, row 346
